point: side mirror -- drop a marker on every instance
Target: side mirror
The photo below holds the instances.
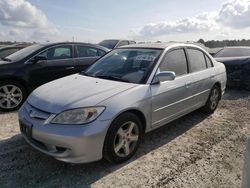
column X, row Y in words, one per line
column 36, row 59
column 167, row 75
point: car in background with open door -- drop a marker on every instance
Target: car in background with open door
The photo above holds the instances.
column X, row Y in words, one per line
column 115, row 43
column 25, row 70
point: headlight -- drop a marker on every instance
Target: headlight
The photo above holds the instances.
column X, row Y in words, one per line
column 78, row 116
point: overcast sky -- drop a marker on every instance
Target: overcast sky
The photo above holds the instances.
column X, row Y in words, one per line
column 143, row 20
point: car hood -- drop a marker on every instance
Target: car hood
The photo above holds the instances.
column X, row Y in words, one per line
column 74, row 92
column 233, row 60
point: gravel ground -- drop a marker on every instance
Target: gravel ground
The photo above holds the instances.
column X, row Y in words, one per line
column 195, row 151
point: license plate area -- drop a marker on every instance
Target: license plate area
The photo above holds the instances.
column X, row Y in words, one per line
column 26, row 128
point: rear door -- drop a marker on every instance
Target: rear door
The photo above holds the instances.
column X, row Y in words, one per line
column 171, row 99
column 203, row 73
column 59, row 63
column 86, row 56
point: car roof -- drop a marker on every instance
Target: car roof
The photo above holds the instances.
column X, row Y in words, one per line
column 73, row 43
column 160, row 45
column 118, row 40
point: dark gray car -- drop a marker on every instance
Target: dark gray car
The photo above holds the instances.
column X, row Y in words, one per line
column 25, row 70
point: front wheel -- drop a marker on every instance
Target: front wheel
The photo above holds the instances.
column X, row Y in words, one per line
column 123, row 138
column 12, row 95
column 213, row 100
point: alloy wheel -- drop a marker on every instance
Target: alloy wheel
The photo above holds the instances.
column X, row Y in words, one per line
column 10, row 96
column 126, row 139
column 214, row 98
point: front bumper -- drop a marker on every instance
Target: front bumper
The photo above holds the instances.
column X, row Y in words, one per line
column 68, row 143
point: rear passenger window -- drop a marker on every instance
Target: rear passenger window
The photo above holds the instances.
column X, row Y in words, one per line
column 85, row 51
column 209, row 62
column 175, row 61
column 197, row 60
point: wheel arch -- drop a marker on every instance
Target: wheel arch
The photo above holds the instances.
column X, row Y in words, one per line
column 20, row 81
column 219, row 85
column 138, row 113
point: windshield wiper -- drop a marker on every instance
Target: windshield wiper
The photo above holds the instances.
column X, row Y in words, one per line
column 5, row 59
column 84, row 73
column 111, row 78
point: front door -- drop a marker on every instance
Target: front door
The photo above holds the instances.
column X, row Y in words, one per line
column 171, row 99
column 59, row 63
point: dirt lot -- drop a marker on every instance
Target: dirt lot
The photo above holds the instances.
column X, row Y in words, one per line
column 194, row 151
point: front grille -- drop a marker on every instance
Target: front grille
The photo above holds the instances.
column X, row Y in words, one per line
column 36, row 113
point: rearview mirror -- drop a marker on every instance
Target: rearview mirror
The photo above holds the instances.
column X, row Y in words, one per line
column 166, row 75
column 36, row 59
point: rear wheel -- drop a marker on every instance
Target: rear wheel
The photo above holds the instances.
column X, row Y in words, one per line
column 123, row 138
column 213, row 100
column 12, row 95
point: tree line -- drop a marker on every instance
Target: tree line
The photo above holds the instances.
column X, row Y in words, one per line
column 217, row 43
column 210, row 43
column 11, row 43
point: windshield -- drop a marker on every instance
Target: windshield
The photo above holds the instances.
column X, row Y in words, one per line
column 110, row 44
column 24, row 52
column 233, row 52
column 127, row 65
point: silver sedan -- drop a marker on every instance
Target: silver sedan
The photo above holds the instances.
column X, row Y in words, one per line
column 104, row 111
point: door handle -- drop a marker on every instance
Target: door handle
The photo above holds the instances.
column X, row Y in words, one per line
column 69, row 68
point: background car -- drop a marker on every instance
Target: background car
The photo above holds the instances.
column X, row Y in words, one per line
column 23, row 71
column 8, row 50
column 104, row 111
column 114, row 43
column 214, row 51
column 237, row 62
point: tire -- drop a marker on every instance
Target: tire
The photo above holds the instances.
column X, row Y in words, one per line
column 12, row 95
column 117, row 137
column 213, row 100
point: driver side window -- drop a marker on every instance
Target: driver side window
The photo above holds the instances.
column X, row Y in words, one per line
column 57, row 53
column 175, row 61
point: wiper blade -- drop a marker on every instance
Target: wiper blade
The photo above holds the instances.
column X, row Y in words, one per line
column 84, row 73
column 111, row 78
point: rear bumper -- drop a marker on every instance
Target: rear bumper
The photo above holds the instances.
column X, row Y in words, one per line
column 68, row 143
